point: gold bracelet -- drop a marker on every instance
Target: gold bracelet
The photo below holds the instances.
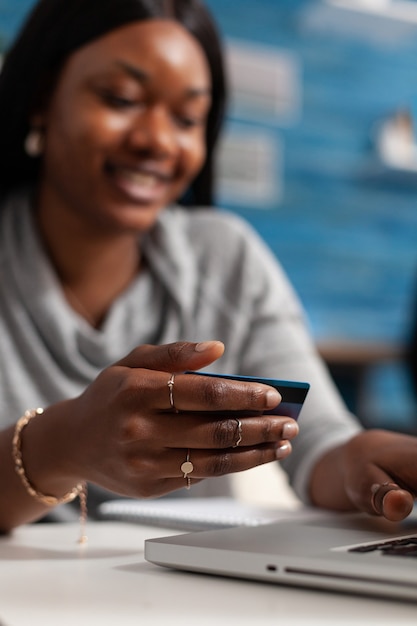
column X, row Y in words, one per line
column 79, row 490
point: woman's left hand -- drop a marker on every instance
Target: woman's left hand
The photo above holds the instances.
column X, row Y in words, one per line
column 376, row 472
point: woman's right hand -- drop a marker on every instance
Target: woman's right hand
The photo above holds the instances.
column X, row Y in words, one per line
column 123, row 434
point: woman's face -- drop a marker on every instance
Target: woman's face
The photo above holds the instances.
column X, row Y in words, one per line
column 125, row 126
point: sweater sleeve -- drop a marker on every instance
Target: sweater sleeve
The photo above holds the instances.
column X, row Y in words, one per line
column 278, row 344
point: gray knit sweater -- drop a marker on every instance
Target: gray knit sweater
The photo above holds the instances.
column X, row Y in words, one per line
column 209, row 276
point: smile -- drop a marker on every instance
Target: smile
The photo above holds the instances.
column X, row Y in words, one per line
column 145, row 179
column 139, row 185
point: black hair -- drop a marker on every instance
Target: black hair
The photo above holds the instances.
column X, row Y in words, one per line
column 56, row 28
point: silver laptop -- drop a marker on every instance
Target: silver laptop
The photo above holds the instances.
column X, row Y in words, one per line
column 345, row 552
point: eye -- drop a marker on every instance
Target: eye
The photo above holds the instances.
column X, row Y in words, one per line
column 187, row 122
column 117, row 101
column 192, row 114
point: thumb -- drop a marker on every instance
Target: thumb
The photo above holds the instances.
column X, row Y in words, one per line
column 381, row 495
column 391, row 501
column 174, row 357
column 380, row 473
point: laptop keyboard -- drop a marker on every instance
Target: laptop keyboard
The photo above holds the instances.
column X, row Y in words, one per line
column 406, row 546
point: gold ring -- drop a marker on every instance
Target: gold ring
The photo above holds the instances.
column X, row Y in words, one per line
column 187, row 467
column 170, row 384
column 239, row 433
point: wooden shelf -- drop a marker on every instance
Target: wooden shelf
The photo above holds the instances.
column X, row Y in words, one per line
column 359, row 353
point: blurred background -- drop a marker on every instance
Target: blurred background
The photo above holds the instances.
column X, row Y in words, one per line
column 319, row 155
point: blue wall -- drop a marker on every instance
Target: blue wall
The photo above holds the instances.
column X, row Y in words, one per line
column 345, row 231
column 348, row 239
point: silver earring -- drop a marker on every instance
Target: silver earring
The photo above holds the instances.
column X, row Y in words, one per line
column 34, row 142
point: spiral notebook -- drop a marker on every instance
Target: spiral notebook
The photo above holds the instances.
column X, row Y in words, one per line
column 190, row 514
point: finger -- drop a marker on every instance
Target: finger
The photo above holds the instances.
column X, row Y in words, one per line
column 378, row 494
column 174, row 357
column 166, row 392
column 235, row 432
column 202, row 431
column 391, row 501
column 184, row 467
column 380, row 473
column 238, row 460
column 203, row 393
column 210, row 464
column 169, row 473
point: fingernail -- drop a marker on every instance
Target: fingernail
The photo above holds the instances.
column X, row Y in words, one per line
column 290, row 430
column 283, row 450
column 205, row 345
column 273, row 398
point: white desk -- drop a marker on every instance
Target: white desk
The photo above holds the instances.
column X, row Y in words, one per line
column 46, row 579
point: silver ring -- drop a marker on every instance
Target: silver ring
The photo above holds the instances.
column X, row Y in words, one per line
column 187, row 467
column 170, row 384
column 376, row 499
column 239, row 433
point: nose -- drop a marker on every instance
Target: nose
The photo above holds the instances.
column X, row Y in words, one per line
column 154, row 132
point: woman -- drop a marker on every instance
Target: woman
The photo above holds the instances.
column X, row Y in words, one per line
column 110, row 112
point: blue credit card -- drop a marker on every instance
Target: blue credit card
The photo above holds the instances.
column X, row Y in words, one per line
column 293, row 393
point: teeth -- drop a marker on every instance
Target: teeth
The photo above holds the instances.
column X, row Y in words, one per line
column 140, row 178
